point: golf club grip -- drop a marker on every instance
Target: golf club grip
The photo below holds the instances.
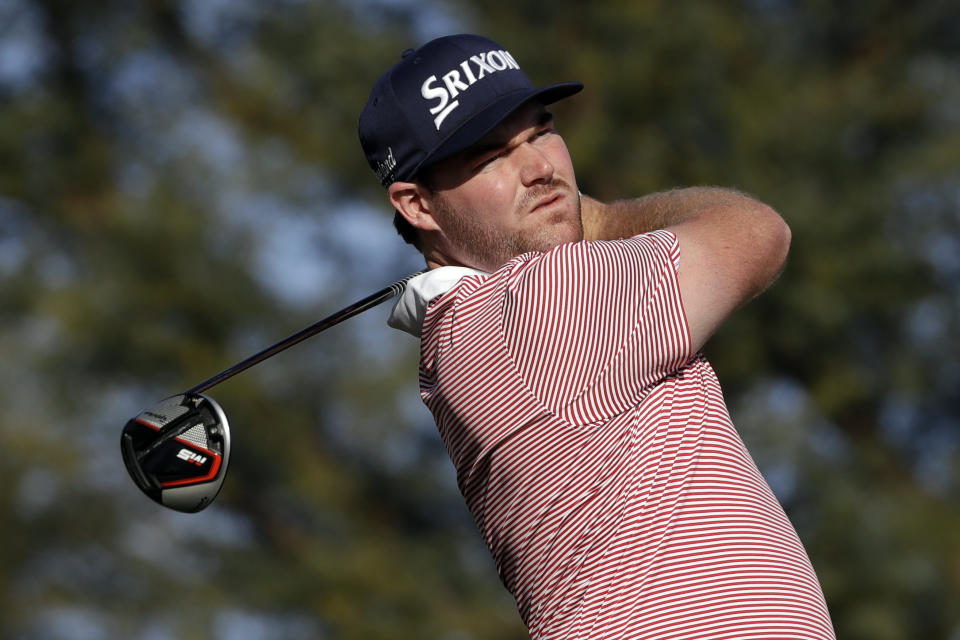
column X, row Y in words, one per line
column 359, row 306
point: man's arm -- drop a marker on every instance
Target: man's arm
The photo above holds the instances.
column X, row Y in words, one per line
column 732, row 247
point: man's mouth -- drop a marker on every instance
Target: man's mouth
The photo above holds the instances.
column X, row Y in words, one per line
column 547, row 201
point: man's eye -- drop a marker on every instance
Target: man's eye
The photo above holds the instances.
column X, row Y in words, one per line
column 544, row 132
column 488, row 160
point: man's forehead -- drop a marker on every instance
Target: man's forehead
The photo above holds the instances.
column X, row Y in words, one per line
column 528, row 115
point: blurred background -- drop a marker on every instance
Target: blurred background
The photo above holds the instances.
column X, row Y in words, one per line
column 181, row 185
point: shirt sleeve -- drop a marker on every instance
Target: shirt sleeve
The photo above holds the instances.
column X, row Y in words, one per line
column 592, row 326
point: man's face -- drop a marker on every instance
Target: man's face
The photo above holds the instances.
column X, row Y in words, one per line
column 513, row 192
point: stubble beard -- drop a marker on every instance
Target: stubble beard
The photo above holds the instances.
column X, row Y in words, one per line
column 489, row 249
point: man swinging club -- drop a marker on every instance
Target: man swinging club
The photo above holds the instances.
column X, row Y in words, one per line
column 560, row 341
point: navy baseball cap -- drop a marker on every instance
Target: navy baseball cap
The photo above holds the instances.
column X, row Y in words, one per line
column 442, row 98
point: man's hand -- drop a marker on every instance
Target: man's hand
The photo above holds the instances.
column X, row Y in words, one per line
column 732, row 247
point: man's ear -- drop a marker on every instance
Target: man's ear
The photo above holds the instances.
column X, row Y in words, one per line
column 412, row 201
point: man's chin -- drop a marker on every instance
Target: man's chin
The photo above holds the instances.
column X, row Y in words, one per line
column 563, row 231
column 566, row 227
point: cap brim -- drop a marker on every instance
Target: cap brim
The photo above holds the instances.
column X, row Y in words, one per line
column 474, row 129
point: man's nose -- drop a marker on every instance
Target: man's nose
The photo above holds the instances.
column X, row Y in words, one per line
column 535, row 166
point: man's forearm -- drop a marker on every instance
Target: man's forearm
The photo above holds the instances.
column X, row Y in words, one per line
column 626, row 218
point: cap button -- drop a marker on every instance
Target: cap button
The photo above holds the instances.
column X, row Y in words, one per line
column 407, row 53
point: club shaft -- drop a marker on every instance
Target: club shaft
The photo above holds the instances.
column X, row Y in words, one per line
column 321, row 325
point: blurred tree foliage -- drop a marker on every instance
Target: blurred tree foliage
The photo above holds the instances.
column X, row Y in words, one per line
column 180, row 185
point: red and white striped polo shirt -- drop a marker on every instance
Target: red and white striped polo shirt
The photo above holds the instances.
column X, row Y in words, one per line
column 596, row 454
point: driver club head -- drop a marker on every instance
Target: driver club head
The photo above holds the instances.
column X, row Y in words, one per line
column 177, row 451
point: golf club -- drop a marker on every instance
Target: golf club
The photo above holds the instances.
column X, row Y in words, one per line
column 177, row 451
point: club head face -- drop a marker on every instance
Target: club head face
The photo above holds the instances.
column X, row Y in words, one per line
column 177, row 451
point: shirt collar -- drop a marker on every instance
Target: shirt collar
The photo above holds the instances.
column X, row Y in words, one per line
column 409, row 310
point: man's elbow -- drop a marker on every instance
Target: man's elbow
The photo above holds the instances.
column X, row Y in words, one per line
column 774, row 237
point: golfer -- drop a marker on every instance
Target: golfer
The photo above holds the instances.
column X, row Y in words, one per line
column 560, row 357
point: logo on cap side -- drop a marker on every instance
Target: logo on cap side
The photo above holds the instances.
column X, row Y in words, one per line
column 384, row 169
column 474, row 68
